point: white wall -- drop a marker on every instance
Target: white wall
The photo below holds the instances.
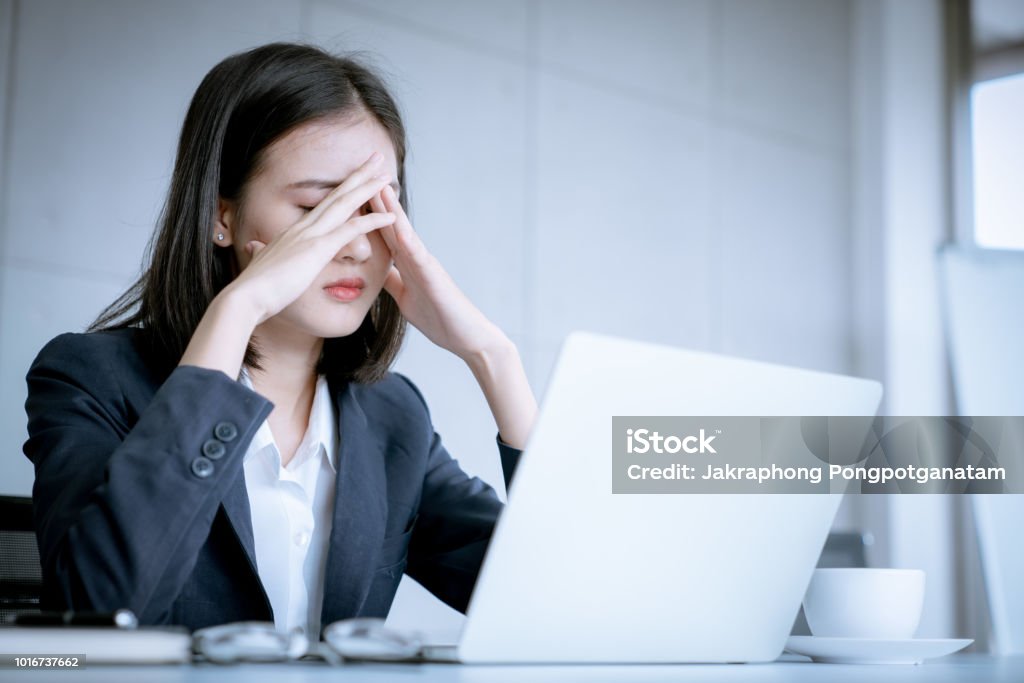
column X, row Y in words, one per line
column 672, row 171
column 902, row 214
column 97, row 94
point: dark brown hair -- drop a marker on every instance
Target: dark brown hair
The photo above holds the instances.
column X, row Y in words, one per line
column 243, row 105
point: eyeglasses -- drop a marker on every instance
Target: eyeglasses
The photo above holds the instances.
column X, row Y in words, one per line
column 359, row 638
column 366, row 638
column 248, row 641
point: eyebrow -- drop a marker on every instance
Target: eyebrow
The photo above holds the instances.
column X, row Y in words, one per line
column 318, row 184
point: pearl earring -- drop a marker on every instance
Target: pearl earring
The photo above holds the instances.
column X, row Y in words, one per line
column 220, row 235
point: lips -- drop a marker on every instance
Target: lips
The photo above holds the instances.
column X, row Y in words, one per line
column 346, row 289
column 348, row 283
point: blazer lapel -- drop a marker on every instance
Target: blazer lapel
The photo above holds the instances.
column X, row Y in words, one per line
column 360, row 511
column 239, row 514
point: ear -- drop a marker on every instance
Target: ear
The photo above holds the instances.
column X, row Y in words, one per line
column 224, row 223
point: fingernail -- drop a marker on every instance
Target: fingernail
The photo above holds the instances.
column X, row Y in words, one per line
column 376, row 156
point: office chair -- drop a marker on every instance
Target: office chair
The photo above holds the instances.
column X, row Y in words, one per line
column 21, row 577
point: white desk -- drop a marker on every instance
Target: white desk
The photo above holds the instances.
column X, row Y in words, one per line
column 958, row 668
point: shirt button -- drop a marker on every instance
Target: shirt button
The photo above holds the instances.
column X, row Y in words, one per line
column 202, row 467
column 225, row 431
column 301, row 539
column 214, row 449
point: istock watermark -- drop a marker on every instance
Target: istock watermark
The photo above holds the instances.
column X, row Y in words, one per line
column 817, row 454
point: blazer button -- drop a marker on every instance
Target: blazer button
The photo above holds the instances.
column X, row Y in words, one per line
column 225, row 431
column 202, row 467
column 213, row 449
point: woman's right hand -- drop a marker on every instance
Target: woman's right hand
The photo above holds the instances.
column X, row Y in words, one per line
column 280, row 271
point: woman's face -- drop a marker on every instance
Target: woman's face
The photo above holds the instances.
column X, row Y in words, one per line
column 298, row 171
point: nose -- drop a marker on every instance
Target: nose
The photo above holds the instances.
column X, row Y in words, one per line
column 358, row 250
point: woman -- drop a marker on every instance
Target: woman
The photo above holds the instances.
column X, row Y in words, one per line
column 226, row 442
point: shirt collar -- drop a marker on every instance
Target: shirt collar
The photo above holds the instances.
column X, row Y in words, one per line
column 322, row 430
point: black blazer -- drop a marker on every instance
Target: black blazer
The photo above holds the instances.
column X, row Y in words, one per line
column 140, row 500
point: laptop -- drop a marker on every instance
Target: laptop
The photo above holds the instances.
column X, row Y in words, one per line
column 577, row 574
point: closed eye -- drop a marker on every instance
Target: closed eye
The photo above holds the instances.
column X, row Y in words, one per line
column 363, row 210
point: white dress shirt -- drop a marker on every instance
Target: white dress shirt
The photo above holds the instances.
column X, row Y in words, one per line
column 291, row 513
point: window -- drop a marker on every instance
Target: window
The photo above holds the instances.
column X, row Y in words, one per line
column 997, row 112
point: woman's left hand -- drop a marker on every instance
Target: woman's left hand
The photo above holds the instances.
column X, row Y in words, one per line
column 430, row 300
column 425, row 292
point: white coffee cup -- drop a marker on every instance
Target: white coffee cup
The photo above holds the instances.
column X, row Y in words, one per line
column 864, row 603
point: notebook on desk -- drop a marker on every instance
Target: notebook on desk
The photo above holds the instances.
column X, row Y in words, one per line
column 577, row 574
column 100, row 645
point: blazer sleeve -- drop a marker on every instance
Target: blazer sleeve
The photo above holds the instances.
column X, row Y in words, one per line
column 455, row 521
column 123, row 505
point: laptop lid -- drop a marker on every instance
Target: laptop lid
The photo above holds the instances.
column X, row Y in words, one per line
column 576, row 573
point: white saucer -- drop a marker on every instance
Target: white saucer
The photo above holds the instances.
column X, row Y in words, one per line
column 869, row 651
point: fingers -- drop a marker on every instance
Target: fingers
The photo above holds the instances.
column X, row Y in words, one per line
column 254, row 247
column 406, row 238
column 355, row 226
column 387, row 232
column 341, row 210
column 369, row 170
column 390, row 241
column 377, row 204
column 393, row 284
